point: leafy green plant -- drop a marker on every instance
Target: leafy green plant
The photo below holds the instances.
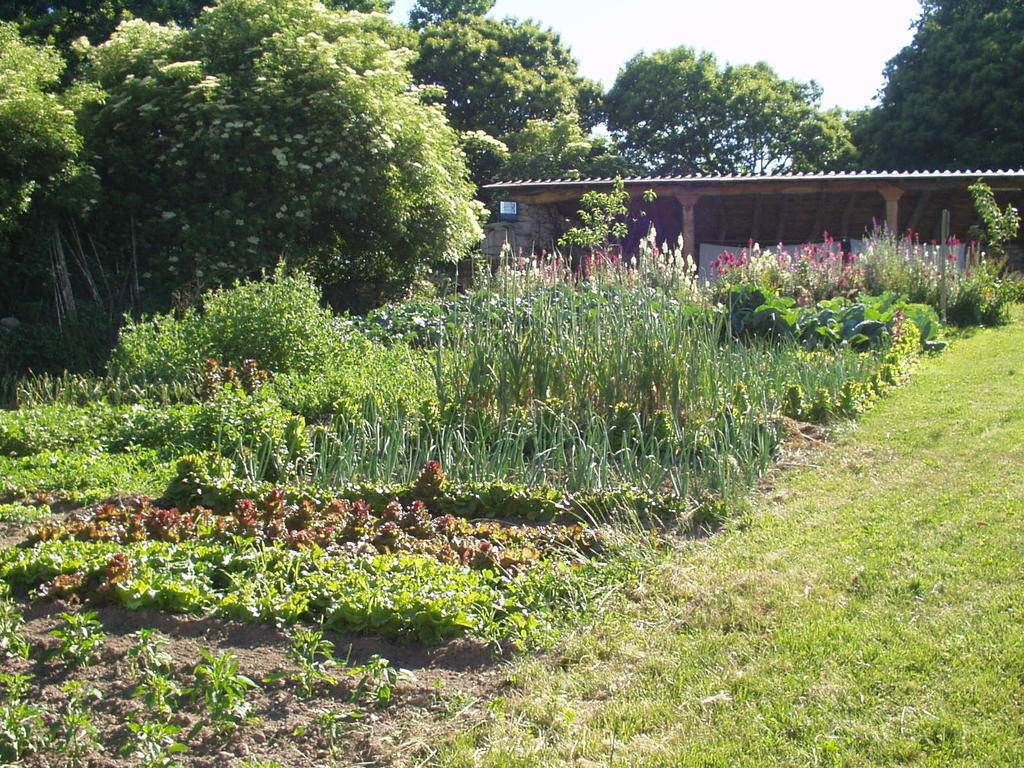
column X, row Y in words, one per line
column 222, row 689
column 23, row 727
column 377, row 681
column 12, row 641
column 331, row 725
column 999, row 226
column 153, row 744
column 160, row 693
column 148, row 655
column 77, row 736
column 81, row 638
column 314, row 656
column 602, row 218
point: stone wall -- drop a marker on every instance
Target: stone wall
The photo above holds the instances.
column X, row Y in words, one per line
column 536, row 229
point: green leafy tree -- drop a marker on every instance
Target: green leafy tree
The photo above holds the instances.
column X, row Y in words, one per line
column 676, row 112
column 428, row 12
column 63, row 22
column 559, row 149
column 1000, row 226
column 37, row 130
column 952, row 97
column 499, row 75
column 275, row 128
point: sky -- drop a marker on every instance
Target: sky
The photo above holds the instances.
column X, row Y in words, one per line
column 842, row 45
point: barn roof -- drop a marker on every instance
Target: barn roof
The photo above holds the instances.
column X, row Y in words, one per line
column 702, row 179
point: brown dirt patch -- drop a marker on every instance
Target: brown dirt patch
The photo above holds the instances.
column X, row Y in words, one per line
column 447, row 676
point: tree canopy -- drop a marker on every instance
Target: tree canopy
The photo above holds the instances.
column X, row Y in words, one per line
column 499, row 75
column 676, row 112
column 952, row 98
column 427, row 12
column 41, row 158
column 273, row 128
column 61, row 22
column 558, row 148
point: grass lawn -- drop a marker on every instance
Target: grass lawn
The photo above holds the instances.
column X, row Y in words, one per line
column 869, row 611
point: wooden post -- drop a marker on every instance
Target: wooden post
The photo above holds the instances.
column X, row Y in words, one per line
column 688, row 202
column 892, row 195
column 943, row 250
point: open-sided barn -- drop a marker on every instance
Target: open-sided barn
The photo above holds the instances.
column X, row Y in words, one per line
column 713, row 212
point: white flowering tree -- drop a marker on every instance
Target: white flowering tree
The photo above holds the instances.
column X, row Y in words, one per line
column 270, row 129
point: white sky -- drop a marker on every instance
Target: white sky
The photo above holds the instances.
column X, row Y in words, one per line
column 842, row 45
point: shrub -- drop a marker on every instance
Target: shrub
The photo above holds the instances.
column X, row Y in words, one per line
column 277, row 321
column 270, row 127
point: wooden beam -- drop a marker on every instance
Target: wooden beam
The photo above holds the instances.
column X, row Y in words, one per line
column 688, row 203
column 892, row 195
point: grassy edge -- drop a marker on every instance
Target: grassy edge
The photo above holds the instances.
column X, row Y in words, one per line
column 867, row 614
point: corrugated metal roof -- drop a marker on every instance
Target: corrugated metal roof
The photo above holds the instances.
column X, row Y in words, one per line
column 719, row 178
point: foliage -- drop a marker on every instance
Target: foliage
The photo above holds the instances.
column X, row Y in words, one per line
column 160, row 693
column 377, row 681
column 602, row 219
column 81, row 638
column 147, row 656
column 77, row 736
column 278, row 322
column 42, row 342
column 314, row 656
column 498, row 75
column 559, row 149
column 42, row 158
column 818, row 584
column 368, row 184
column 12, row 641
column 676, row 112
column 425, row 13
column 63, row 22
column 949, row 100
column 353, row 528
column 153, row 744
column 975, row 294
column 222, row 690
column 999, row 226
column 23, row 728
column 870, row 321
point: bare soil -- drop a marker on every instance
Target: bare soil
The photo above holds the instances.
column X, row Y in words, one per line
column 446, row 678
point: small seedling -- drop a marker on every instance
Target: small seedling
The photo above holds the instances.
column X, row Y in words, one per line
column 76, row 733
column 81, row 639
column 377, row 681
column 331, row 725
column 148, row 655
column 153, row 744
column 12, row 642
column 222, row 689
column 22, row 724
column 160, row 693
column 314, row 656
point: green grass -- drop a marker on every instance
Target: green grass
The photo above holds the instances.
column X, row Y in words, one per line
column 867, row 612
